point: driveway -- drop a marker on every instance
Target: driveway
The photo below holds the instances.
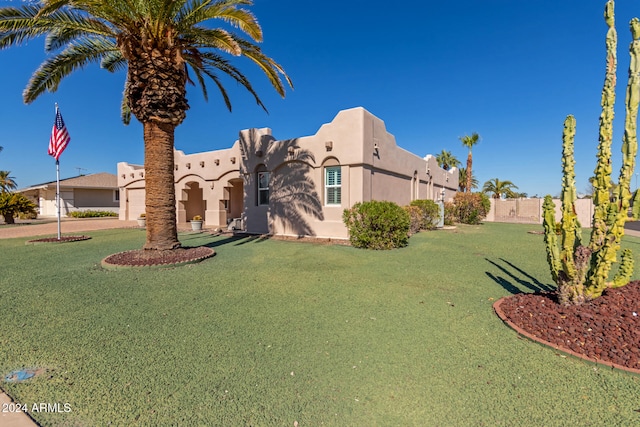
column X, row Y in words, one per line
column 49, row 226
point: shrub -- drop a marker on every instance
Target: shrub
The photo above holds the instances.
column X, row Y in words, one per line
column 430, row 213
column 91, row 214
column 14, row 204
column 449, row 213
column 377, row 225
column 27, row 215
column 471, row 208
column 415, row 218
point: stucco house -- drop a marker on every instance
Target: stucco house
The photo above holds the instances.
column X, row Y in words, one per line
column 98, row 192
column 295, row 187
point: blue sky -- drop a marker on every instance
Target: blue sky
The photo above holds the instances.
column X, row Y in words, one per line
column 433, row 71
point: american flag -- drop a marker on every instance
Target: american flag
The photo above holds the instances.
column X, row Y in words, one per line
column 59, row 137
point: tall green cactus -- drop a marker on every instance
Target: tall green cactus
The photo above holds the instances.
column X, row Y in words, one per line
column 582, row 273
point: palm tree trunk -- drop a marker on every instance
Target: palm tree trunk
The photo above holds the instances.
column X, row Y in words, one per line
column 469, row 174
column 162, row 231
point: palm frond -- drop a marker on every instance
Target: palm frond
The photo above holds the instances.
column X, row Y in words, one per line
column 213, row 38
column 48, row 76
column 270, row 68
column 113, row 61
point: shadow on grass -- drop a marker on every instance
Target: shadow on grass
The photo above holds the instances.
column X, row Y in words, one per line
column 235, row 240
column 518, row 276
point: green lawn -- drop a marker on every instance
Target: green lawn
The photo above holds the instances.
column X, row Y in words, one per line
column 270, row 332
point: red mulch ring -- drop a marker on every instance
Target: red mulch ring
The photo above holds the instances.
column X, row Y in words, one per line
column 605, row 330
column 152, row 258
column 62, row 239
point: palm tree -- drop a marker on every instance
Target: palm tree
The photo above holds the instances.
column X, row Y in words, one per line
column 158, row 42
column 7, row 183
column 469, row 141
column 497, row 188
column 446, row 160
column 462, row 180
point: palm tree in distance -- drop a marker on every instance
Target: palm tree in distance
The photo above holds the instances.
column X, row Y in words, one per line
column 469, row 141
column 7, row 183
column 497, row 188
column 462, row 180
column 158, row 43
column 446, row 160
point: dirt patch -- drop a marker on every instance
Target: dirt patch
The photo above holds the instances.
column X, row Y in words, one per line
column 150, row 258
column 605, row 330
column 62, row 239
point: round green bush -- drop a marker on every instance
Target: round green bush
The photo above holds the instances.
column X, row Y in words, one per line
column 377, row 225
column 430, row 213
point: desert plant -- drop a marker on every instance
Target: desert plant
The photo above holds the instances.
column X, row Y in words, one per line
column 430, row 213
column 449, row 213
column 498, row 188
column 635, row 205
column 446, row 160
column 7, row 183
column 582, row 272
column 470, row 208
column 469, row 141
column 415, row 218
column 14, row 204
column 462, row 180
column 377, row 225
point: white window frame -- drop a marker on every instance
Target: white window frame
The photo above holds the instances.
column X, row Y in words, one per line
column 333, row 186
column 263, row 190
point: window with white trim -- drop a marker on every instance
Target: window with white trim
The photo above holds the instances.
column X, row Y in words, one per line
column 263, row 188
column 333, row 185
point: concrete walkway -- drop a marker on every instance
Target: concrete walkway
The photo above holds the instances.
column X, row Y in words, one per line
column 9, row 417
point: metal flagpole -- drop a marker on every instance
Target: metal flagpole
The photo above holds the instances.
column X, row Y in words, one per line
column 58, row 194
column 58, row 187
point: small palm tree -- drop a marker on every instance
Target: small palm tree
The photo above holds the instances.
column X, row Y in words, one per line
column 462, row 180
column 7, row 183
column 469, row 141
column 497, row 188
column 446, row 160
column 157, row 42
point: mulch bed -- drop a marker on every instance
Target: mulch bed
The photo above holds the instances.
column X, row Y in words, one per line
column 62, row 239
column 151, row 258
column 605, row 330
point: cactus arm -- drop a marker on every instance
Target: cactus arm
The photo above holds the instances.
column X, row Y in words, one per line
column 602, row 179
column 551, row 238
column 636, row 205
column 625, row 271
column 630, row 139
column 618, row 211
column 569, row 218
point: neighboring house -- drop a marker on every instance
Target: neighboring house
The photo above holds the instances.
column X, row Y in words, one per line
column 98, row 192
column 295, row 187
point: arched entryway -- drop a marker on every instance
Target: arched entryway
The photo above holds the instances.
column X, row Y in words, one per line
column 193, row 200
column 232, row 205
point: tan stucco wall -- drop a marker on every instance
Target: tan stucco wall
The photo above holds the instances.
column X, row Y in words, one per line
column 373, row 167
column 531, row 211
